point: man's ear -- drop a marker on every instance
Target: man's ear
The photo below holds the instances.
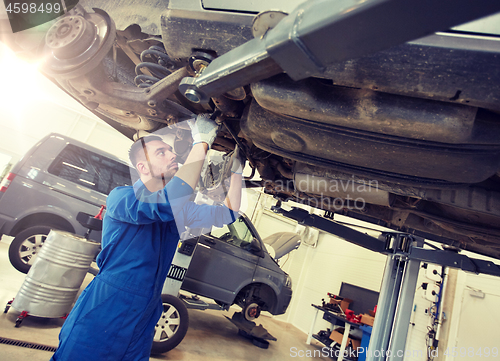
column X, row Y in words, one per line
column 142, row 168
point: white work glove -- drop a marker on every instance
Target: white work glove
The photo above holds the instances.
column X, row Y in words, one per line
column 238, row 161
column 203, row 129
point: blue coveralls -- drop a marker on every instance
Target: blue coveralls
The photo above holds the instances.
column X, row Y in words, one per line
column 115, row 316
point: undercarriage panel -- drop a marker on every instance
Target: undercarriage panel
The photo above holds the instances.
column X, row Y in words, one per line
column 406, row 160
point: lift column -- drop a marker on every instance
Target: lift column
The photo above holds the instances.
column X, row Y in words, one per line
column 397, row 291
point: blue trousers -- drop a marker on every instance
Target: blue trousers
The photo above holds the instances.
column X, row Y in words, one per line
column 109, row 323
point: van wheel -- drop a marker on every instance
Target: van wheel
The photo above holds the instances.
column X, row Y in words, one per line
column 26, row 245
column 172, row 325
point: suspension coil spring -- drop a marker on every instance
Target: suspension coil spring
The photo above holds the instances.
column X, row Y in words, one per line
column 157, row 62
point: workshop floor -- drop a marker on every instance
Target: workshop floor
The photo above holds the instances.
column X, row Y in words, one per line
column 210, row 336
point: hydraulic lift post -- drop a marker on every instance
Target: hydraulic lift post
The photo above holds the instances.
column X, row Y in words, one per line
column 393, row 310
column 402, row 322
column 404, row 254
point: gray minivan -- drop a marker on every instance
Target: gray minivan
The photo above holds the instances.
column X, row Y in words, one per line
column 56, row 179
column 60, row 177
column 231, row 265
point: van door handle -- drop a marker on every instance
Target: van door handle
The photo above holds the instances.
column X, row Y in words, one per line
column 211, row 241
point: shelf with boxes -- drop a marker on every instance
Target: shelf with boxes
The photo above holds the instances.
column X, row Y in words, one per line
column 350, row 333
column 334, row 346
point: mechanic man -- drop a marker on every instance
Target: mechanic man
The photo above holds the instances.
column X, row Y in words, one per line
column 115, row 316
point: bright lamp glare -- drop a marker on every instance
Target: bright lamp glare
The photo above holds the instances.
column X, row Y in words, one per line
column 20, row 81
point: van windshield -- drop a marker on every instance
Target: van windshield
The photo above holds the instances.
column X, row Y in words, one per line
column 89, row 169
column 237, row 233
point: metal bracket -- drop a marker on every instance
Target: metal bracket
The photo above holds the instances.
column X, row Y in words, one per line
column 320, row 33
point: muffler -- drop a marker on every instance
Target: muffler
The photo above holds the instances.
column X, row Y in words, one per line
column 319, row 182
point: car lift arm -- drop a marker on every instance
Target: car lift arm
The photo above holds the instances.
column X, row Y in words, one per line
column 392, row 243
column 454, row 260
column 320, row 33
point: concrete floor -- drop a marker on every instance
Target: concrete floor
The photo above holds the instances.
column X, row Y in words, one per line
column 210, row 335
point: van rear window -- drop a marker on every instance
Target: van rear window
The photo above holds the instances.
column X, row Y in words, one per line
column 90, row 169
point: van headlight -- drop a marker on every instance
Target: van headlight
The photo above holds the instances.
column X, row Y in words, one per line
column 288, row 281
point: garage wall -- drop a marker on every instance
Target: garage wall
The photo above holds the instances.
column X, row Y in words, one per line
column 469, row 317
column 332, row 262
column 422, row 308
column 315, row 271
column 473, row 326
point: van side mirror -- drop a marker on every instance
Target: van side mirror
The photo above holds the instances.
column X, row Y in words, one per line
column 256, row 248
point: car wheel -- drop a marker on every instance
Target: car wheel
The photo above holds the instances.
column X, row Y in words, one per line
column 251, row 311
column 26, row 245
column 172, row 325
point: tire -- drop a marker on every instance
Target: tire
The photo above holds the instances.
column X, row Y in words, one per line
column 172, row 325
column 259, row 342
column 25, row 246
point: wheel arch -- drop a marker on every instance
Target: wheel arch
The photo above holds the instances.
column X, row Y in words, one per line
column 263, row 292
column 42, row 219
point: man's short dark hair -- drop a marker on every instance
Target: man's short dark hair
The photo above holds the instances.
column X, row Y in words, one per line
column 140, row 144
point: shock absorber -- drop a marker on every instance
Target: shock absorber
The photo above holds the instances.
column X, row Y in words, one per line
column 157, row 62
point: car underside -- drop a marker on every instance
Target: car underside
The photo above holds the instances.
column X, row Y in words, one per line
column 406, row 136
